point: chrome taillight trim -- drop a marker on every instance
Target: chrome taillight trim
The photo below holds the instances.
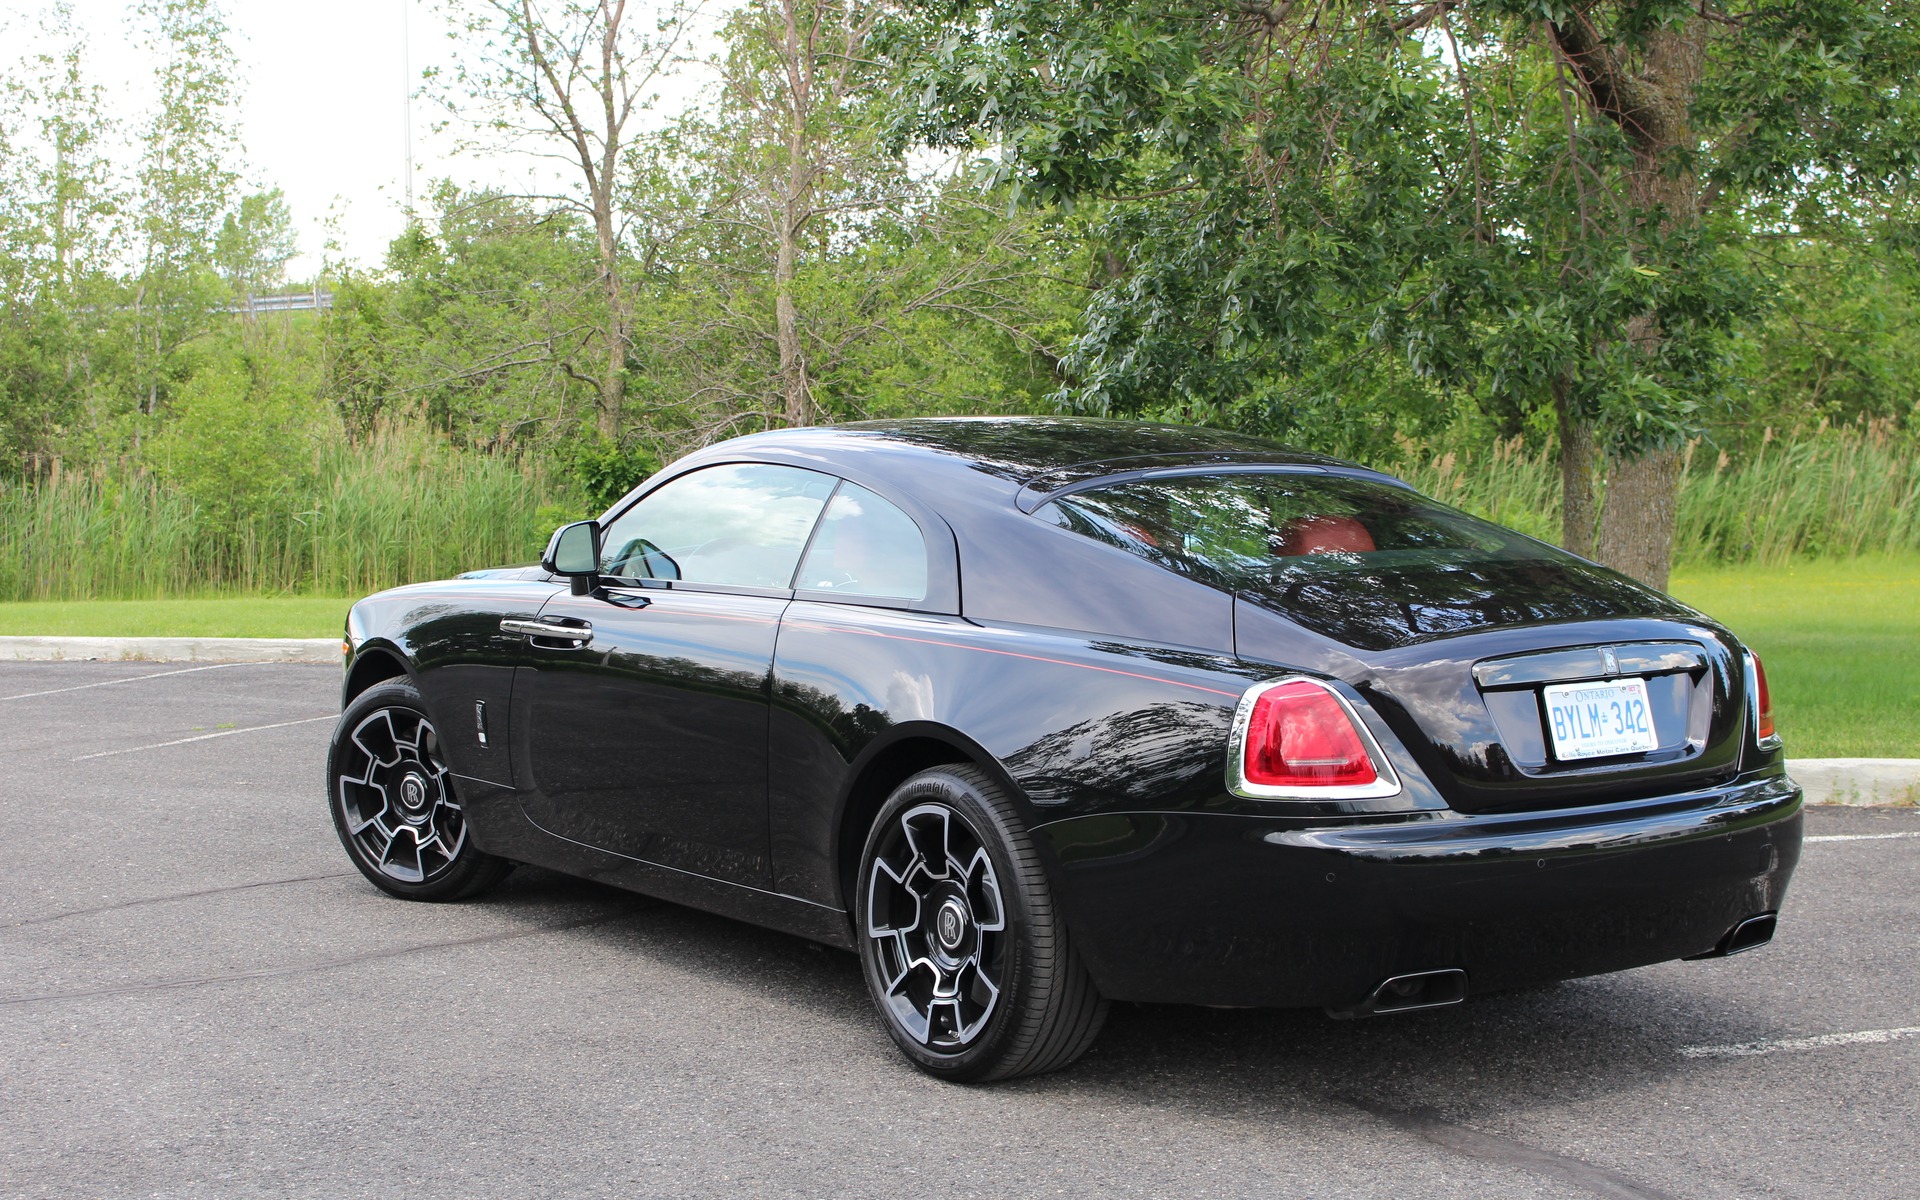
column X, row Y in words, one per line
column 1386, row 782
column 1772, row 740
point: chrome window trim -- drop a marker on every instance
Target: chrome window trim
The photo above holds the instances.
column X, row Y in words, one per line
column 1386, row 782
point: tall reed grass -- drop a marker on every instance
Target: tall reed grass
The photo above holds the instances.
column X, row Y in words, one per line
column 399, row 509
column 1832, row 493
column 406, row 508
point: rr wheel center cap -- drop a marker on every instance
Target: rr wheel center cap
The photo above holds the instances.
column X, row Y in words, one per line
column 950, row 924
column 413, row 794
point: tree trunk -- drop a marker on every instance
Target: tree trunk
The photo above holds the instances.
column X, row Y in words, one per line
column 795, row 387
column 1579, row 477
column 613, row 382
column 1650, row 101
column 1637, row 522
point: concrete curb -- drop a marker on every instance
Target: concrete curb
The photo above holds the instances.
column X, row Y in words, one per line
column 1861, row 781
column 169, row 649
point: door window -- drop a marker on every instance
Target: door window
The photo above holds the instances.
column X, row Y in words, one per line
column 741, row 525
column 866, row 547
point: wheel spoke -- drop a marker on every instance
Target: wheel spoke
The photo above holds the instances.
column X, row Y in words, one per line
column 885, row 911
column 983, row 894
column 374, row 758
column 972, row 990
column 410, row 740
column 926, row 831
column 914, row 1015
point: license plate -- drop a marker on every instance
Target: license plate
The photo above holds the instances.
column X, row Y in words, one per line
column 1594, row 720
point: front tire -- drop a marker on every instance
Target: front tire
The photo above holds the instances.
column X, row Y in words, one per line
column 393, row 802
column 965, row 956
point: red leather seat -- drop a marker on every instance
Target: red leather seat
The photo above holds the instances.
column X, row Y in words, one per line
column 1323, row 535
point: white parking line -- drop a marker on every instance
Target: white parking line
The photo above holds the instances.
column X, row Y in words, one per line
column 1865, row 1037
column 1863, row 837
column 81, row 687
column 204, row 736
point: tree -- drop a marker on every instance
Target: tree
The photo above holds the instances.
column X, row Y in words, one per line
column 1538, row 209
column 58, row 241
column 795, row 76
column 570, row 77
column 185, row 189
column 478, row 324
column 254, row 244
column 801, row 268
column 903, row 295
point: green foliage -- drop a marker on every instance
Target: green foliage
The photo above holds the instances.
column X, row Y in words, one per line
column 254, row 243
column 604, row 471
column 1841, row 347
column 186, row 184
column 58, row 205
column 241, row 442
column 1404, row 233
column 1329, row 215
column 399, row 507
column 478, row 325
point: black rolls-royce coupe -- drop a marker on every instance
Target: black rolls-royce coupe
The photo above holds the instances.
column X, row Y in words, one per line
column 1035, row 714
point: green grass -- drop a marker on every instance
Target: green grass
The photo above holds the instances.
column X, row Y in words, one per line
column 1841, row 642
column 244, row 616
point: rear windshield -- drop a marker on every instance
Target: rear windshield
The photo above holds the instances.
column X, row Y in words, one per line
column 1248, row 529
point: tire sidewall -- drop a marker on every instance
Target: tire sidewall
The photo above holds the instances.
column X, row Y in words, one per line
column 964, row 800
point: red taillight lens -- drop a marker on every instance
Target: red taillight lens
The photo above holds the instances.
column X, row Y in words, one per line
column 1299, row 735
column 1763, row 702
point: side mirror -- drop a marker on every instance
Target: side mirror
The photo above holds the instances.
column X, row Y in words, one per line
column 574, row 552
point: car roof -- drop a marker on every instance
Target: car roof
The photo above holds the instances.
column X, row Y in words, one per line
column 1030, row 455
column 965, row 480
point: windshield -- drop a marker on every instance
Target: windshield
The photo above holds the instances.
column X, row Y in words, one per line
column 1250, row 529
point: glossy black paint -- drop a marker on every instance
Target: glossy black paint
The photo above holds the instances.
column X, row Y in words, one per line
column 1244, row 910
column 651, row 740
column 725, row 747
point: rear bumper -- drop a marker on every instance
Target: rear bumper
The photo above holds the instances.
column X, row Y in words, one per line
column 1231, row 909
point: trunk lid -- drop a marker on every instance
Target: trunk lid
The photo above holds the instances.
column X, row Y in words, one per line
column 1457, row 656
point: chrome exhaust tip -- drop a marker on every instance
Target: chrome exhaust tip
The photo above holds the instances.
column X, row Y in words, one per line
column 1409, row 993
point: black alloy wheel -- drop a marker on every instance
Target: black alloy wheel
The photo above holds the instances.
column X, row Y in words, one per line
column 393, row 801
column 966, row 959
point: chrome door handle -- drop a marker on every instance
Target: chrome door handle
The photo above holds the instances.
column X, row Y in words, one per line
column 579, row 635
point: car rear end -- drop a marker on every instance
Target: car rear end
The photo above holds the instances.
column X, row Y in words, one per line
column 1477, row 763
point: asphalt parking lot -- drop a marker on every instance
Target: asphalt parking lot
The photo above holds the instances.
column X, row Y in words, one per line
column 198, row 997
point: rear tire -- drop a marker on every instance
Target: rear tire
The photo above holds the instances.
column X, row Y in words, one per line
column 393, row 803
column 965, row 956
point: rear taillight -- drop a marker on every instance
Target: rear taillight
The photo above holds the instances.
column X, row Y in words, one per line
column 1299, row 739
column 1762, row 702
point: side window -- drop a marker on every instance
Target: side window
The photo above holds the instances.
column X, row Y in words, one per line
column 866, row 547
column 742, row 525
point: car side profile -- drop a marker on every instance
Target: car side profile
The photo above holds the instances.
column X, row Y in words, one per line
column 1037, row 714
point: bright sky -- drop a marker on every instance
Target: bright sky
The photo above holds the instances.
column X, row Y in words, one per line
column 324, row 115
